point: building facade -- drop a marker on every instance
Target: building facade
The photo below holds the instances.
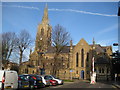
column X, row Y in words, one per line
column 74, row 60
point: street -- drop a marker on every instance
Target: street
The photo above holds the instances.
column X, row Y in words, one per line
column 83, row 84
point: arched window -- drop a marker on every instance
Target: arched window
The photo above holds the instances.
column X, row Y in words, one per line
column 82, row 58
column 62, row 58
column 77, row 72
column 99, row 70
column 43, row 65
column 46, row 57
column 42, row 31
column 26, row 70
column 77, row 57
column 102, row 70
column 107, row 70
column 65, row 72
column 87, row 57
column 33, row 72
column 34, row 62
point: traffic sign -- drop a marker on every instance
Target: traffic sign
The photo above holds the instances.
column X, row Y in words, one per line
column 71, row 70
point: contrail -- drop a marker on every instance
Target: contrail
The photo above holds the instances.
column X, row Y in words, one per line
column 84, row 12
column 66, row 10
column 20, row 7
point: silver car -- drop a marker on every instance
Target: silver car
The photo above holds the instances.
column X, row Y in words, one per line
column 45, row 81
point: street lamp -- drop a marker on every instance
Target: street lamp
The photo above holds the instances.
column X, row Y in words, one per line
column 93, row 74
column 115, row 44
column 1, row 64
column 116, row 56
column 119, row 9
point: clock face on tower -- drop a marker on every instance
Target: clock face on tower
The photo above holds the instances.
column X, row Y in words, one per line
column 40, row 38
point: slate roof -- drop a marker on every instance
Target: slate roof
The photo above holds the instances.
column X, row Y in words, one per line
column 66, row 49
column 101, row 60
column 99, row 48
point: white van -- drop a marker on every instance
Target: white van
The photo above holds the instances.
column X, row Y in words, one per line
column 8, row 79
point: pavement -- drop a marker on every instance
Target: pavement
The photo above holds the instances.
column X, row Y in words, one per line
column 117, row 84
column 86, row 84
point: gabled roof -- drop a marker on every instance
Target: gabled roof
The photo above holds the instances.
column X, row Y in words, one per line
column 82, row 41
column 99, row 48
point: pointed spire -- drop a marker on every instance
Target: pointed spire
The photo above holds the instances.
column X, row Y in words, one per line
column 45, row 16
column 71, row 46
column 71, row 43
column 46, row 6
column 93, row 41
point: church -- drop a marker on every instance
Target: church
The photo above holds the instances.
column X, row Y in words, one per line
column 75, row 60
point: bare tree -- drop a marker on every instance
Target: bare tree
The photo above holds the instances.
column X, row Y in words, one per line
column 8, row 44
column 60, row 39
column 1, row 51
column 23, row 42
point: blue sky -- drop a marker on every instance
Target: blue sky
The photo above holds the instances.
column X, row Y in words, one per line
column 81, row 19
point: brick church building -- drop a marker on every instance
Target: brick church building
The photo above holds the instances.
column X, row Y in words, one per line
column 74, row 60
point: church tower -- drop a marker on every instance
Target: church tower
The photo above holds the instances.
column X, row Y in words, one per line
column 43, row 37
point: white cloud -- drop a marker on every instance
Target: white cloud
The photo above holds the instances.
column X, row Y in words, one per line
column 108, row 29
column 106, row 42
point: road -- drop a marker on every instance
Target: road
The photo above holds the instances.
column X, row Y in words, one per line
column 83, row 84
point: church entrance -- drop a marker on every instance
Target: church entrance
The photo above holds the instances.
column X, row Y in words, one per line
column 82, row 74
column 42, row 71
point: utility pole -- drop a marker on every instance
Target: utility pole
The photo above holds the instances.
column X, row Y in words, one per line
column 116, row 62
column 119, row 25
column 93, row 73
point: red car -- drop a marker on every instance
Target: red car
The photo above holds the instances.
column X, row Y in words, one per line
column 53, row 82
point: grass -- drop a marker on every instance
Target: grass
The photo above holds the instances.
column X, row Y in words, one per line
column 68, row 80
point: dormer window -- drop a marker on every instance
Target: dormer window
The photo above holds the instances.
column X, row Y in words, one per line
column 42, row 31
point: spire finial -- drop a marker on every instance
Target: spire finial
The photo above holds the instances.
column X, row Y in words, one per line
column 93, row 41
column 45, row 16
column 71, row 43
column 46, row 6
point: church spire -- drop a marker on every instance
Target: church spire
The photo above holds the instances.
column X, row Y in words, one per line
column 45, row 16
column 43, row 37
column 93, row 43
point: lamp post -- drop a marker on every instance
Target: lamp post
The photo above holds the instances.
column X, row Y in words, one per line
column 0, row 64
column 116, row 63
column 93, row 74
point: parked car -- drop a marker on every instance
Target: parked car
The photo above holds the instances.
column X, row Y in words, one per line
column 45, row 81
column 53, row 82
column 60, row 82
column 8, row 79
column 34, row 81
column 23, row 82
